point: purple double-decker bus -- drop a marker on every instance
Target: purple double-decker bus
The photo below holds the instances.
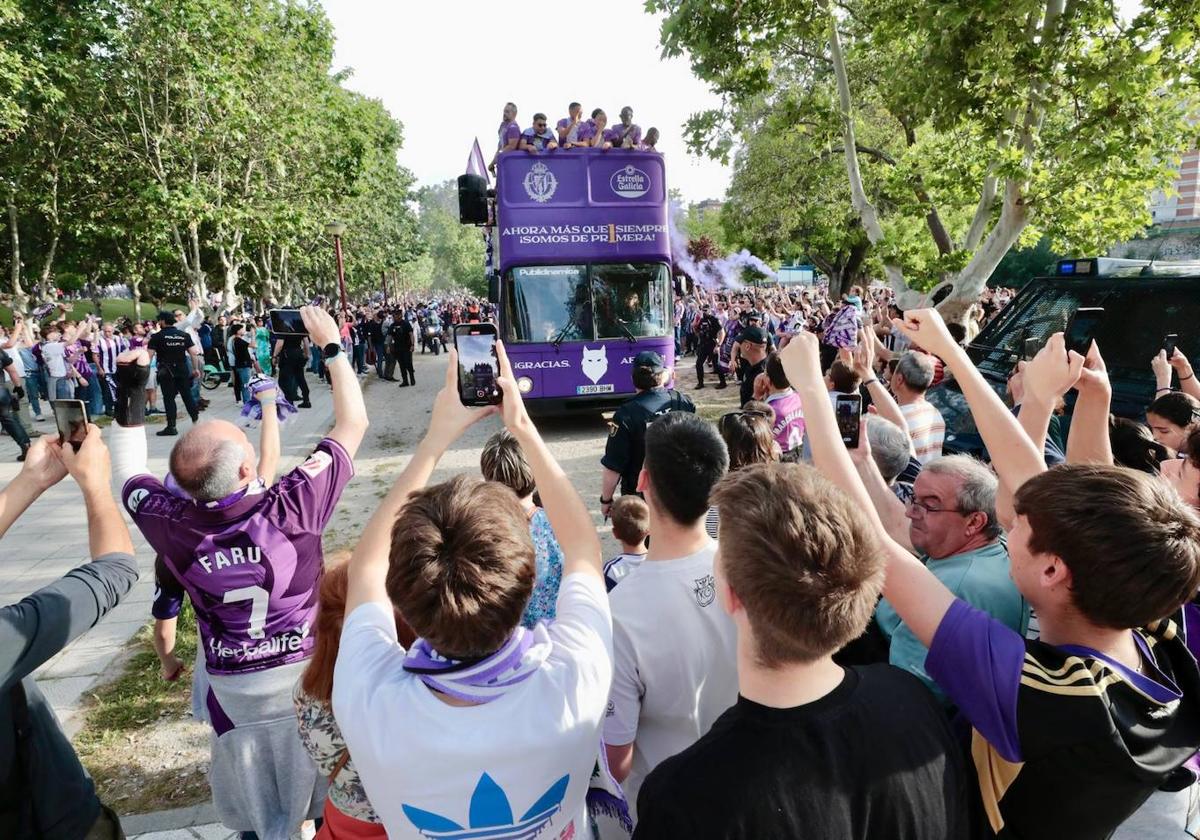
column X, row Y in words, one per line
column 584, row 272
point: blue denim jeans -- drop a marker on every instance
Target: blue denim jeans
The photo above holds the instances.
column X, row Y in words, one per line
column 243, row 382
column 34, row 388
column 95, row 397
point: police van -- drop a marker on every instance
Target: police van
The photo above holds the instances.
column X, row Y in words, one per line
column 1131, row 307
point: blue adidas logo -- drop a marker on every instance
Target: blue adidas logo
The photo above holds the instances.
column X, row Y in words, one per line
column 491, row 815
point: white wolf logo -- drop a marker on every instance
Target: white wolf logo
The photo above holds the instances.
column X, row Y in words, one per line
column 595, row 362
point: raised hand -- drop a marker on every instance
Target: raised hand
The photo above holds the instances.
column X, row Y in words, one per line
column 450, row 418
column 42, row 468
column 1094, row 375
column 1162, row 369
column 926, row 329
column 1053, row 371
column 512, row 406
column 802, row 359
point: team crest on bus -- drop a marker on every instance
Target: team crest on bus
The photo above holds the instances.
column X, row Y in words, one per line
column 540, row 183
column 630, row 182
column 595, row 362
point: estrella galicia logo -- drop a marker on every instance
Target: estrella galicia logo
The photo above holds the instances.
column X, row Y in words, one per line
column 540, row 183
column 491, row 816
column 630, row 182
column 705, row 589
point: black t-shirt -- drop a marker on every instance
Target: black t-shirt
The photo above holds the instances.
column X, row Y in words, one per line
column 171, row 345
column 626, row 447
column 241, row 353
column 401, row 332
column 708, row 329
column 873, row 759
column 293, row 347
column 375, row 331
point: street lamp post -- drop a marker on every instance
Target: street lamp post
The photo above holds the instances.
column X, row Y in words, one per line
column 336, row 229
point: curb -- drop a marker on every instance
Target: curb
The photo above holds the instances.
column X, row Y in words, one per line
column 202, row 814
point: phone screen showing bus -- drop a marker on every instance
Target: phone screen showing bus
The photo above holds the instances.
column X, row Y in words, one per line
column 478, row 367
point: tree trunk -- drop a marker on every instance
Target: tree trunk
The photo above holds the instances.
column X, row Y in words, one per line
column 862, row 205
column 48, row 267
column 135, row 287
column 20, row 299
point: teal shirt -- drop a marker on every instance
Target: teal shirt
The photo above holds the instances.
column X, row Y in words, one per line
column 980, row 578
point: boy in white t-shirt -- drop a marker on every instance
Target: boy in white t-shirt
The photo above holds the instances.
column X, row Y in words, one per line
column 675, row 662
column 482, row 728
column 630, row 527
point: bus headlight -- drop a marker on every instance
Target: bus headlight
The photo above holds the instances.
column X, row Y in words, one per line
column 524, row 384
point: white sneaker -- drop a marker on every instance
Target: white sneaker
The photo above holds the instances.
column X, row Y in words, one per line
column 39, row 418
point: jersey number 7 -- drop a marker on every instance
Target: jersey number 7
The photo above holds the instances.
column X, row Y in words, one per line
column 258, row 597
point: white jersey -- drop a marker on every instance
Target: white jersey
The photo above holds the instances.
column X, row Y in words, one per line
column 675, row 661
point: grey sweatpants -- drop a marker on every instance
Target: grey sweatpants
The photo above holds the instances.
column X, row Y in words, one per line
column 262, row 778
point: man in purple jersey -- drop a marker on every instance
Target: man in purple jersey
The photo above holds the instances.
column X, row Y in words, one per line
column 249, row 557
column 509, row 134
column 627, row 135
column 592, row 132
column 568, row 126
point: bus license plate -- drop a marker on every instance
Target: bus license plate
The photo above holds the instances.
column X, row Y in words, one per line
column 594, row 389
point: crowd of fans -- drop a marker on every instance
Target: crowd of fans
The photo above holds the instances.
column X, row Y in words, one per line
column 798, row 637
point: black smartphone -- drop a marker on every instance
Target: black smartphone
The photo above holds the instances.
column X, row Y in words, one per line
column 1170, row 341
column 1031, row 348
column 848, row 409
column 478, row 366
column 71, row 418
column 287, row 322
column 1082, row 328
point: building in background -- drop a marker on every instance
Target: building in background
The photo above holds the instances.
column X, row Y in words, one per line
column 1180, row 208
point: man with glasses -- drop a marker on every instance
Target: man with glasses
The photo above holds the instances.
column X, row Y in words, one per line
column 952, row 525
column 538, row 137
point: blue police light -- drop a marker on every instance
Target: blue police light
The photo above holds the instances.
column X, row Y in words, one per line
column 1066, row 266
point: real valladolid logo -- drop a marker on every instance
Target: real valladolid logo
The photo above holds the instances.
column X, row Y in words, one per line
column 540, row 183
column 630, row 182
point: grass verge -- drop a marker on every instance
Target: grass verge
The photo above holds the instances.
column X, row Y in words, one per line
column 139, row 740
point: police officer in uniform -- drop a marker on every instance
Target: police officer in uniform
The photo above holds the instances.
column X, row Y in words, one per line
column 626, row 449
column 709, row 334
column 172, row 346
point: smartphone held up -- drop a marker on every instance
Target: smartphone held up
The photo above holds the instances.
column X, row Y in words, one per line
column 71, row 418
column 847, row 408
column 287, row 322
column 478, row 365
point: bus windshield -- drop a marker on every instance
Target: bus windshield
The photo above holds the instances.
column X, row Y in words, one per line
column 584, row 303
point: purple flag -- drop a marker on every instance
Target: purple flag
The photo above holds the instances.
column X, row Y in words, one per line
column 475, row 164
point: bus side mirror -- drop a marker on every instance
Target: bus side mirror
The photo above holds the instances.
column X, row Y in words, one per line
column 494, row 289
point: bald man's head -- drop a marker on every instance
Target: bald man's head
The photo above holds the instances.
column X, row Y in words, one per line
column 212, row 460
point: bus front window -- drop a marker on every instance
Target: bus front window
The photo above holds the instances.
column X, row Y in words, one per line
column 630, row 299
column 547, row 302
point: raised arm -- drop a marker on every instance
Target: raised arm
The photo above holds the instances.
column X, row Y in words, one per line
column 127, row 434
column 864, row 365
column 1014, row 456
column 349, row 411
column 569, row 517
column 1187, row 376
column 369, row 563
column 39, row 626
column 268, row 437
column 920, row 598
column 41, row 471
column 1089, row 442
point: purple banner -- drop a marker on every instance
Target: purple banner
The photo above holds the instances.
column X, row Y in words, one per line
column 578, row 206
column 584, row 368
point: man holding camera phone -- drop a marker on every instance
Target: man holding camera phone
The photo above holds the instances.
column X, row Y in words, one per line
column 249, row 557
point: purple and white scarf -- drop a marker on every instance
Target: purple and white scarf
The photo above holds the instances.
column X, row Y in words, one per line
column 489, row 678
column 253, row 409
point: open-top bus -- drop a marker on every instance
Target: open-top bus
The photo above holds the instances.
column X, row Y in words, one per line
column 584, row 272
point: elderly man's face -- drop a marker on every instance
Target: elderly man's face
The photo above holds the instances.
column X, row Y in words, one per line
column 935, row 524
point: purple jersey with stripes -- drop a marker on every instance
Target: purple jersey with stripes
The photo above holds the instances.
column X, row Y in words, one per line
column 251, row 563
